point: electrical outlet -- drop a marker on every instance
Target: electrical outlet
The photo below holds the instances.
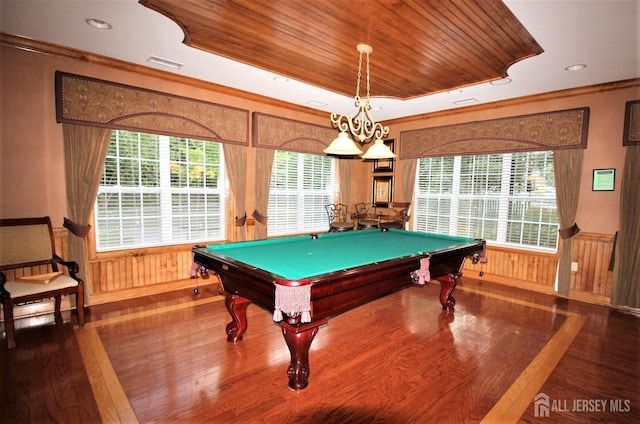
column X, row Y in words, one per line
column 574, row 266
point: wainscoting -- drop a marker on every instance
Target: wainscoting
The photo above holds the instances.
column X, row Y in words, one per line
column 133, row 269
column 537, row 270
column 135, row 273
column 521, row 268
column 593, row 253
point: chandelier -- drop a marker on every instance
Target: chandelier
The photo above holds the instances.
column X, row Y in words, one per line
column 360, row 125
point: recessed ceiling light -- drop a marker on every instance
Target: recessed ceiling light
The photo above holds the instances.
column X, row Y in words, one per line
column 576, row 67
column 98, row 23
column 502, row 81
column 165, row 62
column 454, row 91
column 466, row 101
column 281, row 79
column 316, row 103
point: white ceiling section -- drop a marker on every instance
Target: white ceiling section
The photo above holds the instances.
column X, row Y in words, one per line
column 603, row 34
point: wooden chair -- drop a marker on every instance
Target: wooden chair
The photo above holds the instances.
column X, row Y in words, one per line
column 29, row 269
column 397, row 215
column 366, row 216
column 338, row 217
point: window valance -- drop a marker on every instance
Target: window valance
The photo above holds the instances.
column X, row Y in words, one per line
column 632, row 123
column 541, row 131
column 89, row 101
column 272, row 132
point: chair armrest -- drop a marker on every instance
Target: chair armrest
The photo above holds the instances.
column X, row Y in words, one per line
column 3, row 279
column 71, row 265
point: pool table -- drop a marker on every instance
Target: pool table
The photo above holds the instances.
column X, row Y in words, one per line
column 304, row 280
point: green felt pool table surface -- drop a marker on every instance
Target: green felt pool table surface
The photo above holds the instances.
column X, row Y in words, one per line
column 301, row 257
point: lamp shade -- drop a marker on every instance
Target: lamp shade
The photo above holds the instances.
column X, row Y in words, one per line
column 343, row 145
column 379, row 150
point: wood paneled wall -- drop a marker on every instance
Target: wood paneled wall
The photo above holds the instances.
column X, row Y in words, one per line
column 592, row 252
column 130, row 269
column 537, row 270
column 137, row 273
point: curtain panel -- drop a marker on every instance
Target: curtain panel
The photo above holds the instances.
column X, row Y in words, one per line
column 235, row 157
column 344, row 174
column 567, row 170
column 625, row 289
column 85, row 149
column 409, row 168
column 263, row 167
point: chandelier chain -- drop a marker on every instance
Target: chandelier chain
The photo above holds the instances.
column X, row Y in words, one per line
column 359, row 75
column 368, row 79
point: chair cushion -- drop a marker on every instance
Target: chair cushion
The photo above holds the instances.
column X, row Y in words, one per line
column 19, row 289
column 368, row 222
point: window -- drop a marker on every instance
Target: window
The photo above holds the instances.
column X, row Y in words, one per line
column 301, row 185
column 505, row 198
column 160, row 190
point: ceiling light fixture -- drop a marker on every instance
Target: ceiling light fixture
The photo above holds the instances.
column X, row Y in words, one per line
column 360, row 123
column 576, row 67
column 98, row 23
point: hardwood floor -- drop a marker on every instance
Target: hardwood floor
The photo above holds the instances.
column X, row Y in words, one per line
column 399, row 359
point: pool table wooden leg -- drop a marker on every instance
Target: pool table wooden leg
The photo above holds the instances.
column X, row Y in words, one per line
column 299, row 338
column 237, row 307
column 447, row 284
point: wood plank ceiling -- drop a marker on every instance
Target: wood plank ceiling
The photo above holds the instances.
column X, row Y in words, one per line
column 420, row 47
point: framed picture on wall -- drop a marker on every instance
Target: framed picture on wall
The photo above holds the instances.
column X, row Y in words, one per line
column 382, row 191
column 604, row 179
column 385, row 165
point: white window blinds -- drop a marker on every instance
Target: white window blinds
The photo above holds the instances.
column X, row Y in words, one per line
column 505, row 198
column 301, row 186
column 160, row 190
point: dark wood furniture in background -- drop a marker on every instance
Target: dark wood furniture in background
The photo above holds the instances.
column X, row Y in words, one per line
column 338, row 215
column 365, row 216
column 395, row 215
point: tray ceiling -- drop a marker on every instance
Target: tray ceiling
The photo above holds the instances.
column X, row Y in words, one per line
column 419, row 47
